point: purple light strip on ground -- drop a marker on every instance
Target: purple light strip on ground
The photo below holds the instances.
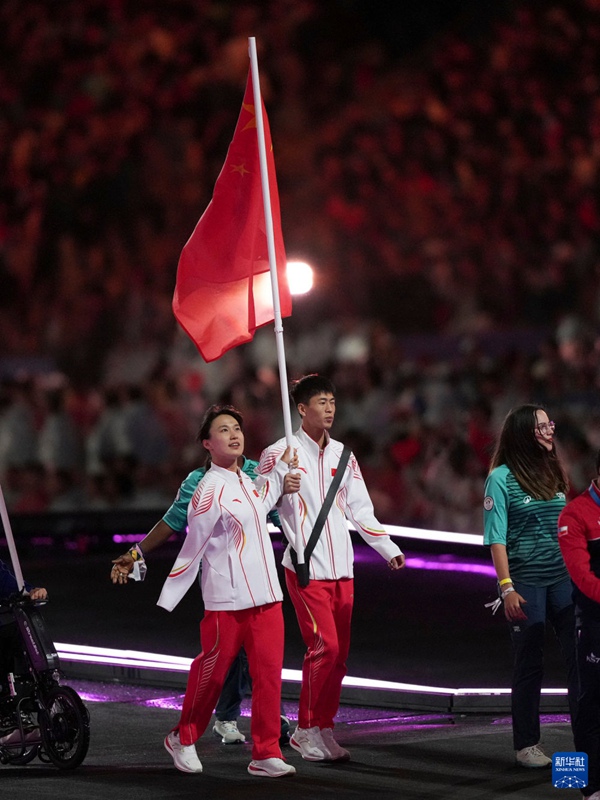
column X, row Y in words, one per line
column 168, row 703
column 405, row 724
column 93, row 697
column 446, row 565
column 428, row 718
column 128, row 538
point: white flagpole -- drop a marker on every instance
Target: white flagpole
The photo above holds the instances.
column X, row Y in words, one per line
column 264, row 174
column 11, row 543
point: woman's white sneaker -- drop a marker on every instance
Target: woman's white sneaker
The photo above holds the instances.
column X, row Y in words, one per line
column 270, row 768
column 184, row 756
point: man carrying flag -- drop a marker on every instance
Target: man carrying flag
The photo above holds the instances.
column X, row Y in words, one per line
column 332, row 491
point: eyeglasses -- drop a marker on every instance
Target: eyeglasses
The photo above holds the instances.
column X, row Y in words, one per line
column 546, row 427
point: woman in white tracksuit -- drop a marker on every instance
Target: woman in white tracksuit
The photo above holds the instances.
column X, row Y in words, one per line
column 242, row 596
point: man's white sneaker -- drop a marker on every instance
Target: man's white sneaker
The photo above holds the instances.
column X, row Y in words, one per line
column 184, row 756
column 532, row 756
column 271, row 768
column 310, row 745
column 228, row 731
column 336, row 753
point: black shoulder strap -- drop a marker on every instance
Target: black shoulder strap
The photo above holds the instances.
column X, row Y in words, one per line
column 322, row 516
column 331, row 492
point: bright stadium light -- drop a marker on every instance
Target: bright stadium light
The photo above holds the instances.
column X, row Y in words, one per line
column 300, row 277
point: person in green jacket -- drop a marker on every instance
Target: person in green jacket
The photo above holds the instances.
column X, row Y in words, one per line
column 525, row 492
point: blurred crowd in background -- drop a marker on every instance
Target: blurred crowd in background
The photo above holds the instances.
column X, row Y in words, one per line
column 446, row 195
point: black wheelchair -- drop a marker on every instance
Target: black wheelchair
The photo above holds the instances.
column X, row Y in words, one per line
column 38, row 715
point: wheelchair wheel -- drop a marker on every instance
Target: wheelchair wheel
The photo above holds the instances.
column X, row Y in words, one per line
column 65, row 726
column 24, row 758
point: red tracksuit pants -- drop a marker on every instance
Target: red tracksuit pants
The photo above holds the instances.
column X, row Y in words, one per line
column 324, row 612
column 222, row 633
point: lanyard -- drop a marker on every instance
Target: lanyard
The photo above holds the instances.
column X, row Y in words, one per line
column 594, row 493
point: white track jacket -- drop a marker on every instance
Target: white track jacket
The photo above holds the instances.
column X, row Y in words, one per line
column 227, row 520
column 333, row 556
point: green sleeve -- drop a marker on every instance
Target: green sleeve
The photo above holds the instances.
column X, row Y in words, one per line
column 495, row 507
column 250, row 469
column 176, row 516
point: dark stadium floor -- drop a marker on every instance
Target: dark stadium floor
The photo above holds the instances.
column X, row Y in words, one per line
column 393, row 754
column 427, row 625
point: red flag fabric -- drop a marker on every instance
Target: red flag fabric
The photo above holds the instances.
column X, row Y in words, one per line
column 223, row 290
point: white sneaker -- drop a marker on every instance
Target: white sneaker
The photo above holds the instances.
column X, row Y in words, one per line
column 228, row 731
column 271, row 768
column 336, row 753
column 532, row 756
column 184, row 756
column 308, row 742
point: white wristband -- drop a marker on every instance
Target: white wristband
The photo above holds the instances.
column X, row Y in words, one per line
column 507, row 591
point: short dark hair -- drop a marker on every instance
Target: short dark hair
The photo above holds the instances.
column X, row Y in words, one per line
column 214, row 411
column 309, row 386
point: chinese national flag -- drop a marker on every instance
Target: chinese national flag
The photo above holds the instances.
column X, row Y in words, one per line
column 223, row 291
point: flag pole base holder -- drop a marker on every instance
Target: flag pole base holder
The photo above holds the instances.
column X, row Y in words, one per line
column 302, row 574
